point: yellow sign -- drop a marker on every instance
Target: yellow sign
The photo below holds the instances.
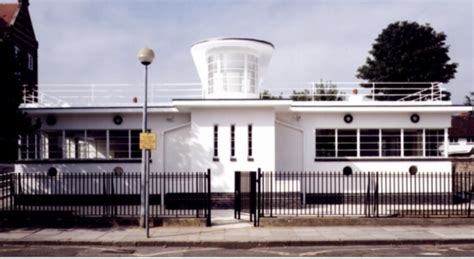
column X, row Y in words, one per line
column 148, row 141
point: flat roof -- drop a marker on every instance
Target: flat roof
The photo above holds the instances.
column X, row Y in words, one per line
column 233, row 38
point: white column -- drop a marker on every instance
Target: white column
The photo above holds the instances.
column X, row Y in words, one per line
column 380, row 142
column 446, row 142
column 358, row 143
column 107, row 144
column 402, row 142
column 424, row 143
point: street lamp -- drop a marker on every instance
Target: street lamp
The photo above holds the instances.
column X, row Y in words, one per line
column 145, row 56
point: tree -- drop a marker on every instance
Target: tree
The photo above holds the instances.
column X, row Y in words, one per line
column 14, row 121
column 407, row 52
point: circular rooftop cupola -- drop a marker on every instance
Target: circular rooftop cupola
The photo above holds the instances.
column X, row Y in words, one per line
column 231, row 68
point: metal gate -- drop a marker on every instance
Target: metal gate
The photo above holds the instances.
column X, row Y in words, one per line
column 247, row 195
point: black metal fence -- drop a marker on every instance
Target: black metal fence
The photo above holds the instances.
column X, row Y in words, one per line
column 369, row 194
column 172, row 194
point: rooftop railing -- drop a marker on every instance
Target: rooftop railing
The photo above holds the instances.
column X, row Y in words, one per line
column 79, row 95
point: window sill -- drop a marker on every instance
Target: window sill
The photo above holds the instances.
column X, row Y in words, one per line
column 233, row 159
column 81, row 161
column 384, row 159
column 250, row 159
column 215, row 159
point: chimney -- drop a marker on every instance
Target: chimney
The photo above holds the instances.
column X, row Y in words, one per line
column 24, row 3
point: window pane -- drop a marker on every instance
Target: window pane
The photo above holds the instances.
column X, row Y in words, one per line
column 135, row 140
column 119, row 144
column 232, row 140
column 413, row 142
column 52, row 146
column 346, row 143
column 325, row 143
column 29, row 147
column 96, row 143
column 216, row 140
column 369, row 142
column 250, row 140
column 434, row 139
column 76, row 145
column 390, row 142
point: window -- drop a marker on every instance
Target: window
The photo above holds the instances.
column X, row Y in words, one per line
column 17, row 52
column 434, row 139
column 232, row 72
column 391, row 142
column 413, row 142
column 96, row 143
column 250, row 141
column 81, row 144
column 325, row 143
column 347, row 143
column 30, row 62
column 369, row 142
column 232, row 141
column 455, row 140
column 135, row 151
column 52, row 145
column 216, row 141
column 29, row 146
column 76, row 145
column 119, row 144
column 470, row 140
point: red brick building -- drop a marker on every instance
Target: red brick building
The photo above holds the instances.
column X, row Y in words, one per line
column 18, row 46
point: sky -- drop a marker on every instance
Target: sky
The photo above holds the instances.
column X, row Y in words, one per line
column 96, row 41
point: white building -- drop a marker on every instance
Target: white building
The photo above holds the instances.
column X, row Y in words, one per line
column 228, row 127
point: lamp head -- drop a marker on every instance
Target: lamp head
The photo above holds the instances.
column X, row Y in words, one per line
column 146, row 56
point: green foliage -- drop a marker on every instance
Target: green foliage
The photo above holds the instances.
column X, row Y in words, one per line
column 14, row 121
column 322, row 92
column 407, row 52
column 266, row 95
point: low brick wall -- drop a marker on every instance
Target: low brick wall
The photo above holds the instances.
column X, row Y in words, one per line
column 463, row 164
column 361, row 221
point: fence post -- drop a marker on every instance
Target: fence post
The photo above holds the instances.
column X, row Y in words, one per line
column 236, row 195
column 259, row 185
column 209, row 205
column 376, row 194
column 12, row 190
column 367, row 202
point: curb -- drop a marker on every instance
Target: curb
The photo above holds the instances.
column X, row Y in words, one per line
column 243, row 245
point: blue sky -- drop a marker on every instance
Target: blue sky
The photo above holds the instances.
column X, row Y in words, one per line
column 96, row 41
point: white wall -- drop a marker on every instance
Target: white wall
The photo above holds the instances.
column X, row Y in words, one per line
column 203, row 120
column 289, row 146
column 308, row 122
column 175, row 139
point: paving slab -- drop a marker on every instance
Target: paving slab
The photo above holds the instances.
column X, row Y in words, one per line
column 248, row 236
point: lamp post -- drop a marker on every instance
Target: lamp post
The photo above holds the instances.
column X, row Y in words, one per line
column 145, row 56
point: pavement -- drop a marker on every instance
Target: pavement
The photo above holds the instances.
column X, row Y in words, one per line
column 241, row 236
column 230, row 233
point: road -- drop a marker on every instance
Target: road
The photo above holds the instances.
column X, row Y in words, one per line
column 385, row 250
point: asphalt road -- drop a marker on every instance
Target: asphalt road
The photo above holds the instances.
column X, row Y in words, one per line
column 403, row 250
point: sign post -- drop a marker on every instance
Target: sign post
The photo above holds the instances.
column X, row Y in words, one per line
column 147, row 143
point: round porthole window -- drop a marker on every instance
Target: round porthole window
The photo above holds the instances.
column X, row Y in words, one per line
column 348, row 118
column 347, row 171
column 118, row 171
column 415, row 118
column 413, row 170
column 51, row 120
column 53, row 172
column 118, row 119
